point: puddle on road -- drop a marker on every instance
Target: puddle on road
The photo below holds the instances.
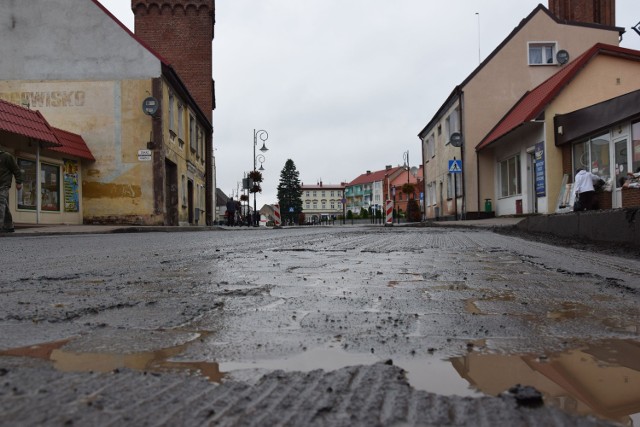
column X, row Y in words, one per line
column 601, row 379
column 146, row 361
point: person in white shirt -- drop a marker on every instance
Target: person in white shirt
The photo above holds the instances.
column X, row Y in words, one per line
column 583, row 187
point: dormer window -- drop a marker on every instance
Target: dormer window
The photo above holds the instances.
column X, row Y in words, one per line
column 542, row 53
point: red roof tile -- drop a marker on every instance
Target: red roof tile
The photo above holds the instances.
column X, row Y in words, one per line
column 23, row 121
column 72, row 144
column 376, row 176
column 533, row 103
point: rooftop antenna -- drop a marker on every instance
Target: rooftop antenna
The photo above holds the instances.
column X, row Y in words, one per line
column 479, row 56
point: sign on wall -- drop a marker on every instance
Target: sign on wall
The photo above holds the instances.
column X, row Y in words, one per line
column 541, row 185
column 71, row 199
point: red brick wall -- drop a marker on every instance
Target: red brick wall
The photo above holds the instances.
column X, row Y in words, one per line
column 630, row 197
column 181, row 31
column 590, row 11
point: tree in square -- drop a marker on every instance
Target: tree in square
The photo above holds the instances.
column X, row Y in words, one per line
column 290, row 192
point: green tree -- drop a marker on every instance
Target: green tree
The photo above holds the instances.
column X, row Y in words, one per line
column 290, row 192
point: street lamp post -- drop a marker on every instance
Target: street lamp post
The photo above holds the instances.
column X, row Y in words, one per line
column 263, row 136
column 405, row 156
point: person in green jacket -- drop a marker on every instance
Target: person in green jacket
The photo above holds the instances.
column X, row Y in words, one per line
column 8, row 169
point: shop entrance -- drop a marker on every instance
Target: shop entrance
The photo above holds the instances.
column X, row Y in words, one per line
column 621, row 165
column 532, row 198
column 171, row 193
column 190, row 200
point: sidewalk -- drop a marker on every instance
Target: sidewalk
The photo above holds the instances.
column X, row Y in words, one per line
column 62, row 229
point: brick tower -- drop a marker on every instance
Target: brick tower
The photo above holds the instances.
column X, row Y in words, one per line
column 588, row 11
column 182, row 32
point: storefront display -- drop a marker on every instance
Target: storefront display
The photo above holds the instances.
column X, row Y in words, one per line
column 49, row 186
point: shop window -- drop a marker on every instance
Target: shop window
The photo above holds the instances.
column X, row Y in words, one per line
column 635, row 147
column 49, row 186
column 542, row 53
column 581, row 156
column 27, row 196
column 510, row 180
column 593, row 156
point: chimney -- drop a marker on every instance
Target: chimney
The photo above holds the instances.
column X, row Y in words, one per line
column 601, row 12
column 368, row 172
column 387, row 167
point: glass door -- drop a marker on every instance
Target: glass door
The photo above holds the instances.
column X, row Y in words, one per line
column 621, row 165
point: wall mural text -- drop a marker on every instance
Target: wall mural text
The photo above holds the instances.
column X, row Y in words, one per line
column 74, row 98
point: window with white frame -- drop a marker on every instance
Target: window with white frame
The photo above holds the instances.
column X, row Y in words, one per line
column 509, row 177
column 430, row 147
column 180, row 122
column 431, row 193
column 452, row 123
column 308, row 205
column 192, row 133
column 171, row 101
column 542, row 53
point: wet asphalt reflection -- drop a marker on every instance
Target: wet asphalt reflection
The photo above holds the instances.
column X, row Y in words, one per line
column 463, row 312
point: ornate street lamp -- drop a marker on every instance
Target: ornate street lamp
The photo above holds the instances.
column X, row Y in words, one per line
column 262, row 135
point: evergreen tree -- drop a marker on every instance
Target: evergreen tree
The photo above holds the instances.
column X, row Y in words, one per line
column 290, row 192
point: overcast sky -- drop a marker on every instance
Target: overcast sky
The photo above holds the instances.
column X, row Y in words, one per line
column 344, row 86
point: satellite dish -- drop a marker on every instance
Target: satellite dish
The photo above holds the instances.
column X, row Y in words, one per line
column 150, row 106
column 456, row 139
column 414, row 171
column 562, row 57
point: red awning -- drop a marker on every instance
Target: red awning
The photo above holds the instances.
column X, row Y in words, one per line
column 72, row 144
column 23, row 121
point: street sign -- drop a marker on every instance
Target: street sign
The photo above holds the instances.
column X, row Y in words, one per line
column 144, row 155
column 455, row 166
column 291, row 209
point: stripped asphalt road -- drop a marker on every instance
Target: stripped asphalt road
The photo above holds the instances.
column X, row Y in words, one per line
column 233, row 327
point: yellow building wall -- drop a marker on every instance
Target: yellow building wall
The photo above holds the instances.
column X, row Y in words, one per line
column 190, row 164
column 117, row 187
column 505, row 79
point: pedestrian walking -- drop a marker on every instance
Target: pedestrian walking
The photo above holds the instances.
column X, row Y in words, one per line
column 584, row 189
column 231, row 211
column 8, row 170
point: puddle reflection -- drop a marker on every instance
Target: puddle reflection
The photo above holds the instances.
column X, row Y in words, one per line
column 600, row 379
column 146, row 361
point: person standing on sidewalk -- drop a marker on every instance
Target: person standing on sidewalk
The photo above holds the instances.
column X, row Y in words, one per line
column 585, row 192
column 8, row 170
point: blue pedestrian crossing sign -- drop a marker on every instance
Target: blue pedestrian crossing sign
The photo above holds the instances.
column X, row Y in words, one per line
column 455, row 166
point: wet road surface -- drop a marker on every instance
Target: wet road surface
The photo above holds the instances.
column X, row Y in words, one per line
column 462, row 312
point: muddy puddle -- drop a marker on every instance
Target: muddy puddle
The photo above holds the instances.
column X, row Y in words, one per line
column 600, row 379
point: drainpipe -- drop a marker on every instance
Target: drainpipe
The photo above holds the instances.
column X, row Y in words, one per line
column 38, row 184
column 462, row 175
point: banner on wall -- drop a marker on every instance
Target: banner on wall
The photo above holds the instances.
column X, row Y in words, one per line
column 541, row 186
column 71, row 196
